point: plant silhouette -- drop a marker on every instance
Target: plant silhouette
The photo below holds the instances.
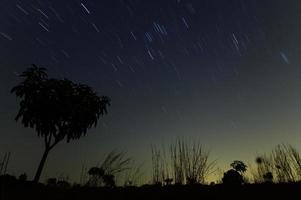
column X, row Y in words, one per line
column 232, row 177
column 268, row 177
column 57, row 109
column 113, row 164
column 235, row 176
column 239, row 166
column 23, row 177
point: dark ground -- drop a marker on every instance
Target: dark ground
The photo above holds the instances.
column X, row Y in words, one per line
column 27, row 190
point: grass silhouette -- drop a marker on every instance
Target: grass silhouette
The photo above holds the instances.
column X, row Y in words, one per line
column 274, row 184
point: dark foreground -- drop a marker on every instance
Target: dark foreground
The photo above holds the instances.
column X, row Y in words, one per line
column 252, row 191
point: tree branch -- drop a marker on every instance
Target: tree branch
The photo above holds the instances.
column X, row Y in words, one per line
column 55, row 142
column 47, row 140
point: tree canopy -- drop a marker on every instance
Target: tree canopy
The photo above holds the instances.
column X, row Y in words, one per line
column 58, row 109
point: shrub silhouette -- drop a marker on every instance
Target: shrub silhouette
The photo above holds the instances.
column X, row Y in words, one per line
column 23, row 177
column 100, row 176
column 96, row 174
column 268, row 177
column 113, row 164
column 239, row 166
column 57, row 109
column 235, row 176
column 232, row 177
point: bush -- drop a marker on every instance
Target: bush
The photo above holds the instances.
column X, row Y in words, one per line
column 232, row 177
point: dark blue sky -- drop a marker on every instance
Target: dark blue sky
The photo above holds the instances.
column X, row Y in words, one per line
column 224, row 72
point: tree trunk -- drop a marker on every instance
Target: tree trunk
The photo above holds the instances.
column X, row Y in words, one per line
column 41, row 166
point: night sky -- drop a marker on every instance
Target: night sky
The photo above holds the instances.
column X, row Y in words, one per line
column 224, row 72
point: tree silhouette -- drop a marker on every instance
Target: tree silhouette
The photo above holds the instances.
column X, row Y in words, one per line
column 239, row 166
column 57, row 109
